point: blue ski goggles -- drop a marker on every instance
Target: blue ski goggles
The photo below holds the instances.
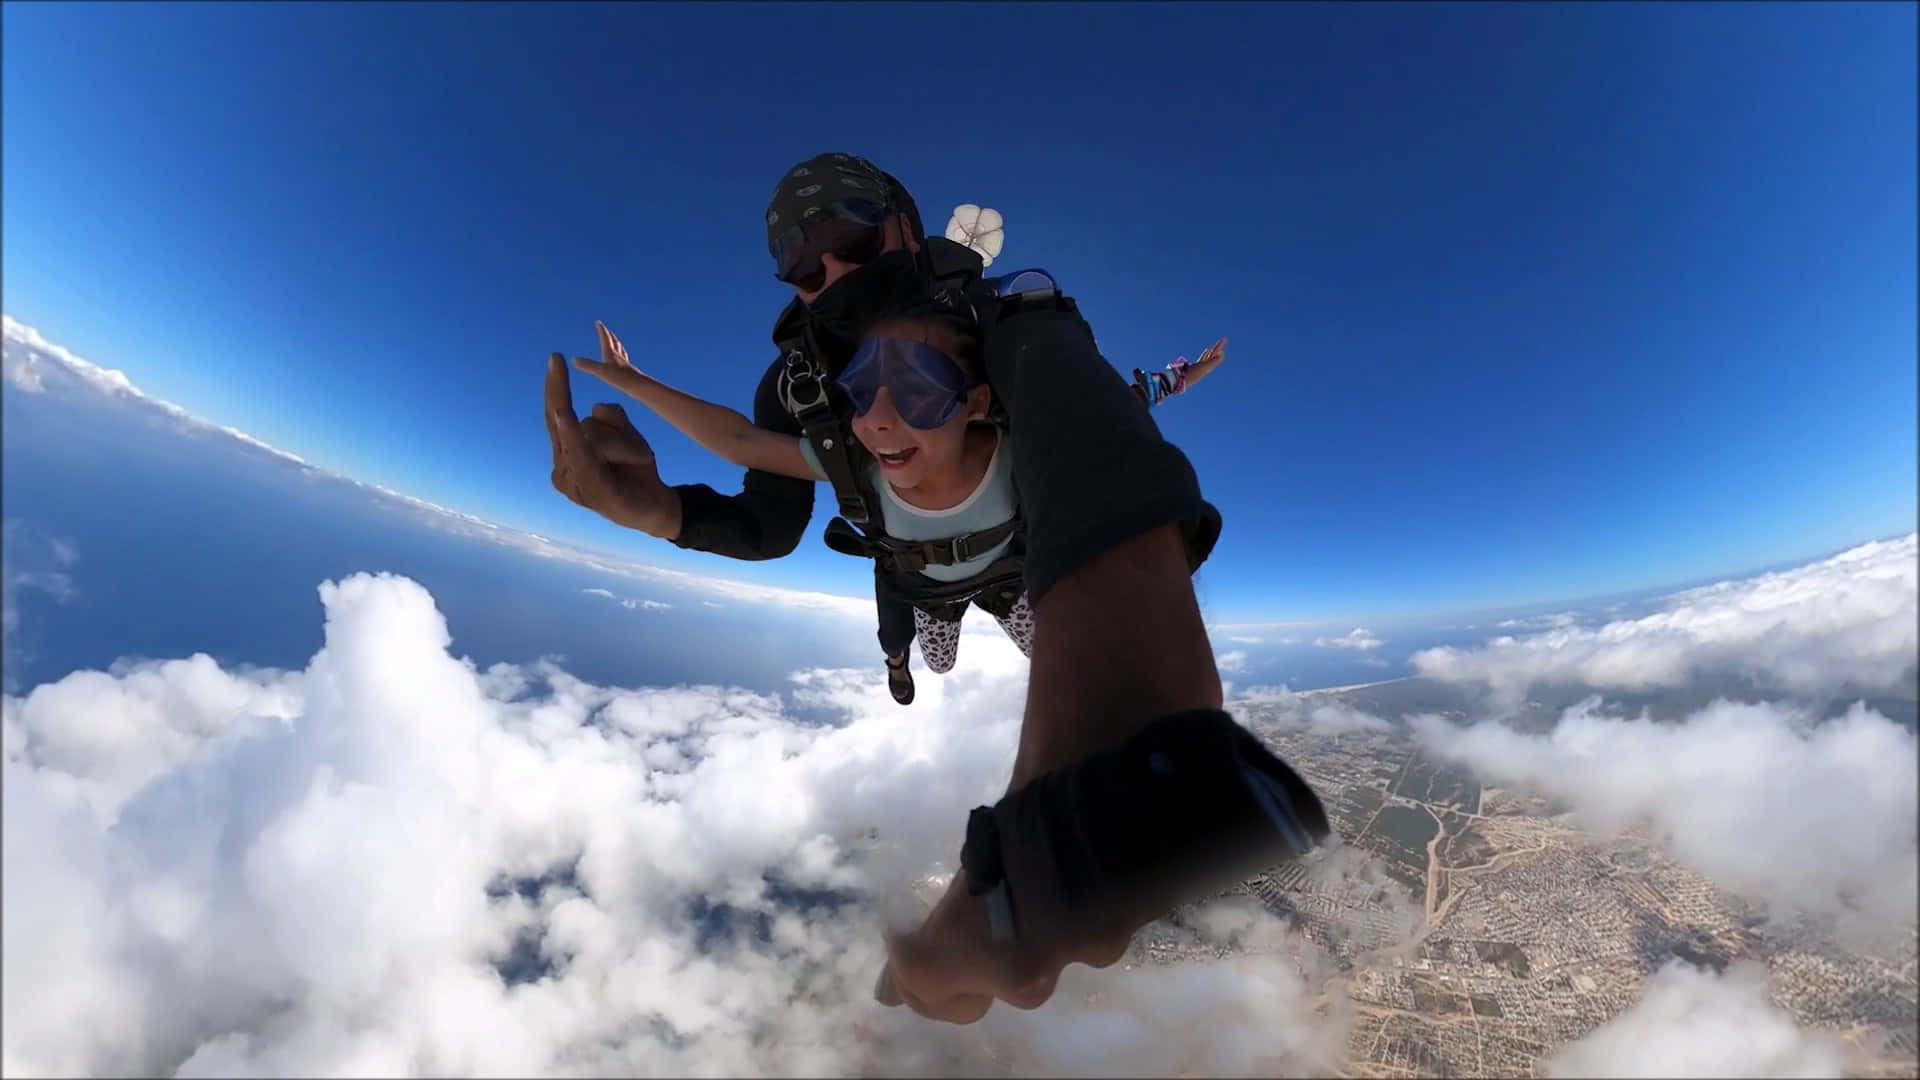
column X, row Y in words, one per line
column 851, row 230
column 926, row 385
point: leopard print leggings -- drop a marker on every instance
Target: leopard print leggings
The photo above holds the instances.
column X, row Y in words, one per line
column 940, row 638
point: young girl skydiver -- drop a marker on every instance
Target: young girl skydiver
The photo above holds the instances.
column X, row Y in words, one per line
column 940, row 468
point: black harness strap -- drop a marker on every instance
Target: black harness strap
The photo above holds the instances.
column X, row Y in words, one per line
column 913, row 556
column 1003, row 573
column 807, row 395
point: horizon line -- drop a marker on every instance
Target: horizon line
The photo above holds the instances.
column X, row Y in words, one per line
column 114, row 382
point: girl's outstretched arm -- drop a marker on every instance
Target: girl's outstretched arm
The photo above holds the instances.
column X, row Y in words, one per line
column 715, row 427
column 1154, row 387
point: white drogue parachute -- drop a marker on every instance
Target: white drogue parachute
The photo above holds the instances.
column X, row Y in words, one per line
column 978, row 228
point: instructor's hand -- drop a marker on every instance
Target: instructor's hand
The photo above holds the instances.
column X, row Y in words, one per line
column 949, row 969
column 604, row 464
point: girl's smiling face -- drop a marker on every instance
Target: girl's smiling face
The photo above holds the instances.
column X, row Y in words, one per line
column 919, row 367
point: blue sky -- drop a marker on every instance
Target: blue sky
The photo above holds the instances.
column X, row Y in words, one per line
column 1526, row 302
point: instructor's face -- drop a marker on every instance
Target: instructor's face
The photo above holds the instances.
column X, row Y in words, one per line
column 836, row 268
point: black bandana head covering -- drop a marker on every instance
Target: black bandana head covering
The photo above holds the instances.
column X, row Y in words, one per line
column 890, row 283
column 824, row 179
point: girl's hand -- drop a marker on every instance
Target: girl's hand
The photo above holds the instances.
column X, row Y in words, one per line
column 613, row 367
column 1207, row 361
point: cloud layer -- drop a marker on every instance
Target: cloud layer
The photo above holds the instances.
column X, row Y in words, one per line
column 393, row 863
column 1763, row 798
column 1693, row 1023
column 1845, row 624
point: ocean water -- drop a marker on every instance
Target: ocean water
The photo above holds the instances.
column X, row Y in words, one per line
column 131, row 533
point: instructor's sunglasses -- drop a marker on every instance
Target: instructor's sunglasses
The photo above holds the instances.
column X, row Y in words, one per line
column 852, row 230
column 926, row 385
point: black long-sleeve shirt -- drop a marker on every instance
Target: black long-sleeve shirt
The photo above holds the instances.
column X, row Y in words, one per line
column 769, row 516
column 1092, row 469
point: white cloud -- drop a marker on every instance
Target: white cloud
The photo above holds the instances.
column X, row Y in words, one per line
column 856, row 607
column 1538, row 622
column 1258, row 633
column 1232, row 661
column 30, row 358
column 25, row 367
column 1760, row 798
column 628, row 602
column 1312, row 711
column 1358, row 638
column 217, row 872
column 30, row 561
column 1843, row 623
column 1336, row 718
column 21, row 369
column 1693, row 1023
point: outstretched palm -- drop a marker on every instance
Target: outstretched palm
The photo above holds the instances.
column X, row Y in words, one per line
column 1207, row 361
column 613, row 367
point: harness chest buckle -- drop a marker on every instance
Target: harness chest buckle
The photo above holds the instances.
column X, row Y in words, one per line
column 801, row 373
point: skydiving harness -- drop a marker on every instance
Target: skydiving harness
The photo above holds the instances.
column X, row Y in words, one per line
column 826, row 422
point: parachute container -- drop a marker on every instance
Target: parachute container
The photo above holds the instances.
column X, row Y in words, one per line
column 978, row 228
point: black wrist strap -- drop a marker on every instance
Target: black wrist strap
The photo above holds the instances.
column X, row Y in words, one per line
column 986, row 874
column 980, row 855
column 1187, row 807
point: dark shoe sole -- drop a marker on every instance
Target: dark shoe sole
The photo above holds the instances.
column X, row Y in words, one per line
column 900, row 684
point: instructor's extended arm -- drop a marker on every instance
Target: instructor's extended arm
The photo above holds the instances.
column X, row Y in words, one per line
column 1115, row 525
column 768, row 517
